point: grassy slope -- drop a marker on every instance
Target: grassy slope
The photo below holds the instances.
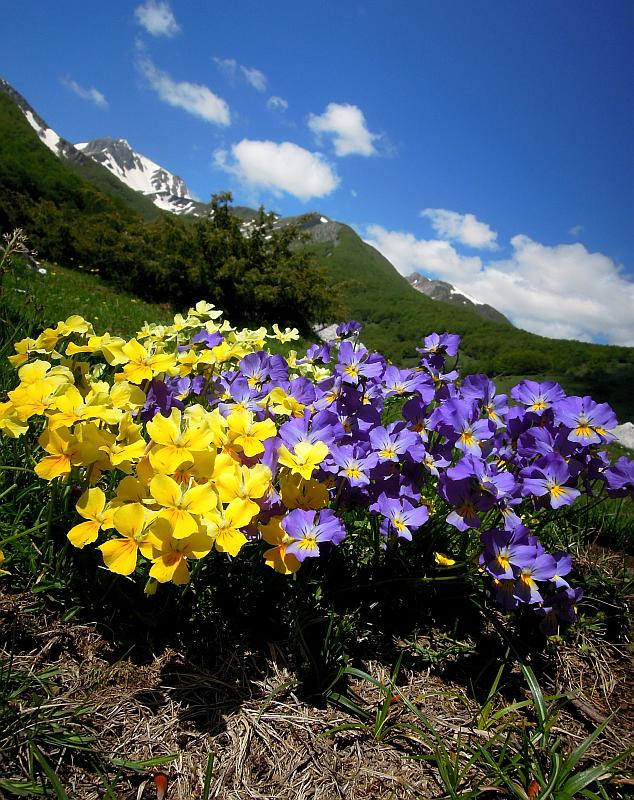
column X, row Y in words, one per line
column 396, row 317
column 28, row 166
column 62, row 292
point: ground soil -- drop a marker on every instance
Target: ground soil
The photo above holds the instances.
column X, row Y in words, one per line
column 219, row 694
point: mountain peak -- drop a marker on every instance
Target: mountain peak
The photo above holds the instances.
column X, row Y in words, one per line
column 441, row 290
column 140, row 173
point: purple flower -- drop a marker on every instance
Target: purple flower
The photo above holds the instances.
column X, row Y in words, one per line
column 620, row 478
column 349, row 328
column 392, row 442
column 316, row 352
column 537, row 397
column 467, row 502
column 564, row 565
column 561, row 607
column 480, row 388
column 404, row 381
column 210, row 340
column 588, row 422
column 543, row 568
column 244, row 398
column 310, row 529
column 355, row 363
column 401, row 517
column 459, row 421
column 487, row 476
column 445, row 343
column 350, row 462
column 160, row 396
column 506, row 552
column 549, row 476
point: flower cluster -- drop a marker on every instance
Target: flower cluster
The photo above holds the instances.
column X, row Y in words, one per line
column 194, row 437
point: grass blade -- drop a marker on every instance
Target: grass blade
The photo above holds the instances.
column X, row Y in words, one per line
column 208, row 772
column 50, row 773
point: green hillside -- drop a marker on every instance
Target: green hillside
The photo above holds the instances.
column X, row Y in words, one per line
column 28, row 167
column 78, row 214
column 396, row 317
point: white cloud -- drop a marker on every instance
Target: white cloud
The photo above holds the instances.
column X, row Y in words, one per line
column 254, row 77
column 279, row 167
column 433, row 256
column 560, row 291
column 92, row 95
column 347, row 125
column 195, row 98
column 227, row 65
column 230, row 67
column 157, row 18
column 463, row 228
column 575, row 231
column 276, row 103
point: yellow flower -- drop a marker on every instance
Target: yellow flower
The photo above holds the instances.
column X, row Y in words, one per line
column 224, row 527
column 70, row 407
column 109, row 346
column 282, row 403
column 305, row 459
column 133, row 522
column 235, row 482
column 62, row 446
column 442, row 560
column 74, row 324
column 128, row 446
column 10, row 423
column 286, row 335
column 171, row 554
column 3, row 571
column 180, row 506
column 205, row 309
column 277, row 557
column 300, row 493
column 248, row 434
column 176, row 445
column 142, row 365
column 92, row 507
column 186, row 362
column 23, row 350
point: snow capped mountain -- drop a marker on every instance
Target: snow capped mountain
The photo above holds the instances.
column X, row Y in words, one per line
column 167, row 191
column 61, row 147
column 440, row 290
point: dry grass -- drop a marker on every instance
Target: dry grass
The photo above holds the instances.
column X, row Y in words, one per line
column 222, row 696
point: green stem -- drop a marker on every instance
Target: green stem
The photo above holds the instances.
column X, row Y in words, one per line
column 22, row 533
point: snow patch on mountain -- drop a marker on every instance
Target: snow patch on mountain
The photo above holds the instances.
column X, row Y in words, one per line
column 167, row 191
column 47, row 135
column 441, row 290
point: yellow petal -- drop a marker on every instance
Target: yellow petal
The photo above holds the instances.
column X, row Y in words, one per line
column 166, row 565
column 165, row 430
column 120, row 555
column 130, row 519
column 200, row 499
column 165, row 491
column 91, row 503
column 84, row 533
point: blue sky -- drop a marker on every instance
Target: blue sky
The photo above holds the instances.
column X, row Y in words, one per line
column 487, row 144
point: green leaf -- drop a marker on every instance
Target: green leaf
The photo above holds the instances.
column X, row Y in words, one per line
column 50, row 773
column 536, row 692
column 577, row 754
column 141, row 766
column 582, row 779
column 208, row 773
column 24, row 788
